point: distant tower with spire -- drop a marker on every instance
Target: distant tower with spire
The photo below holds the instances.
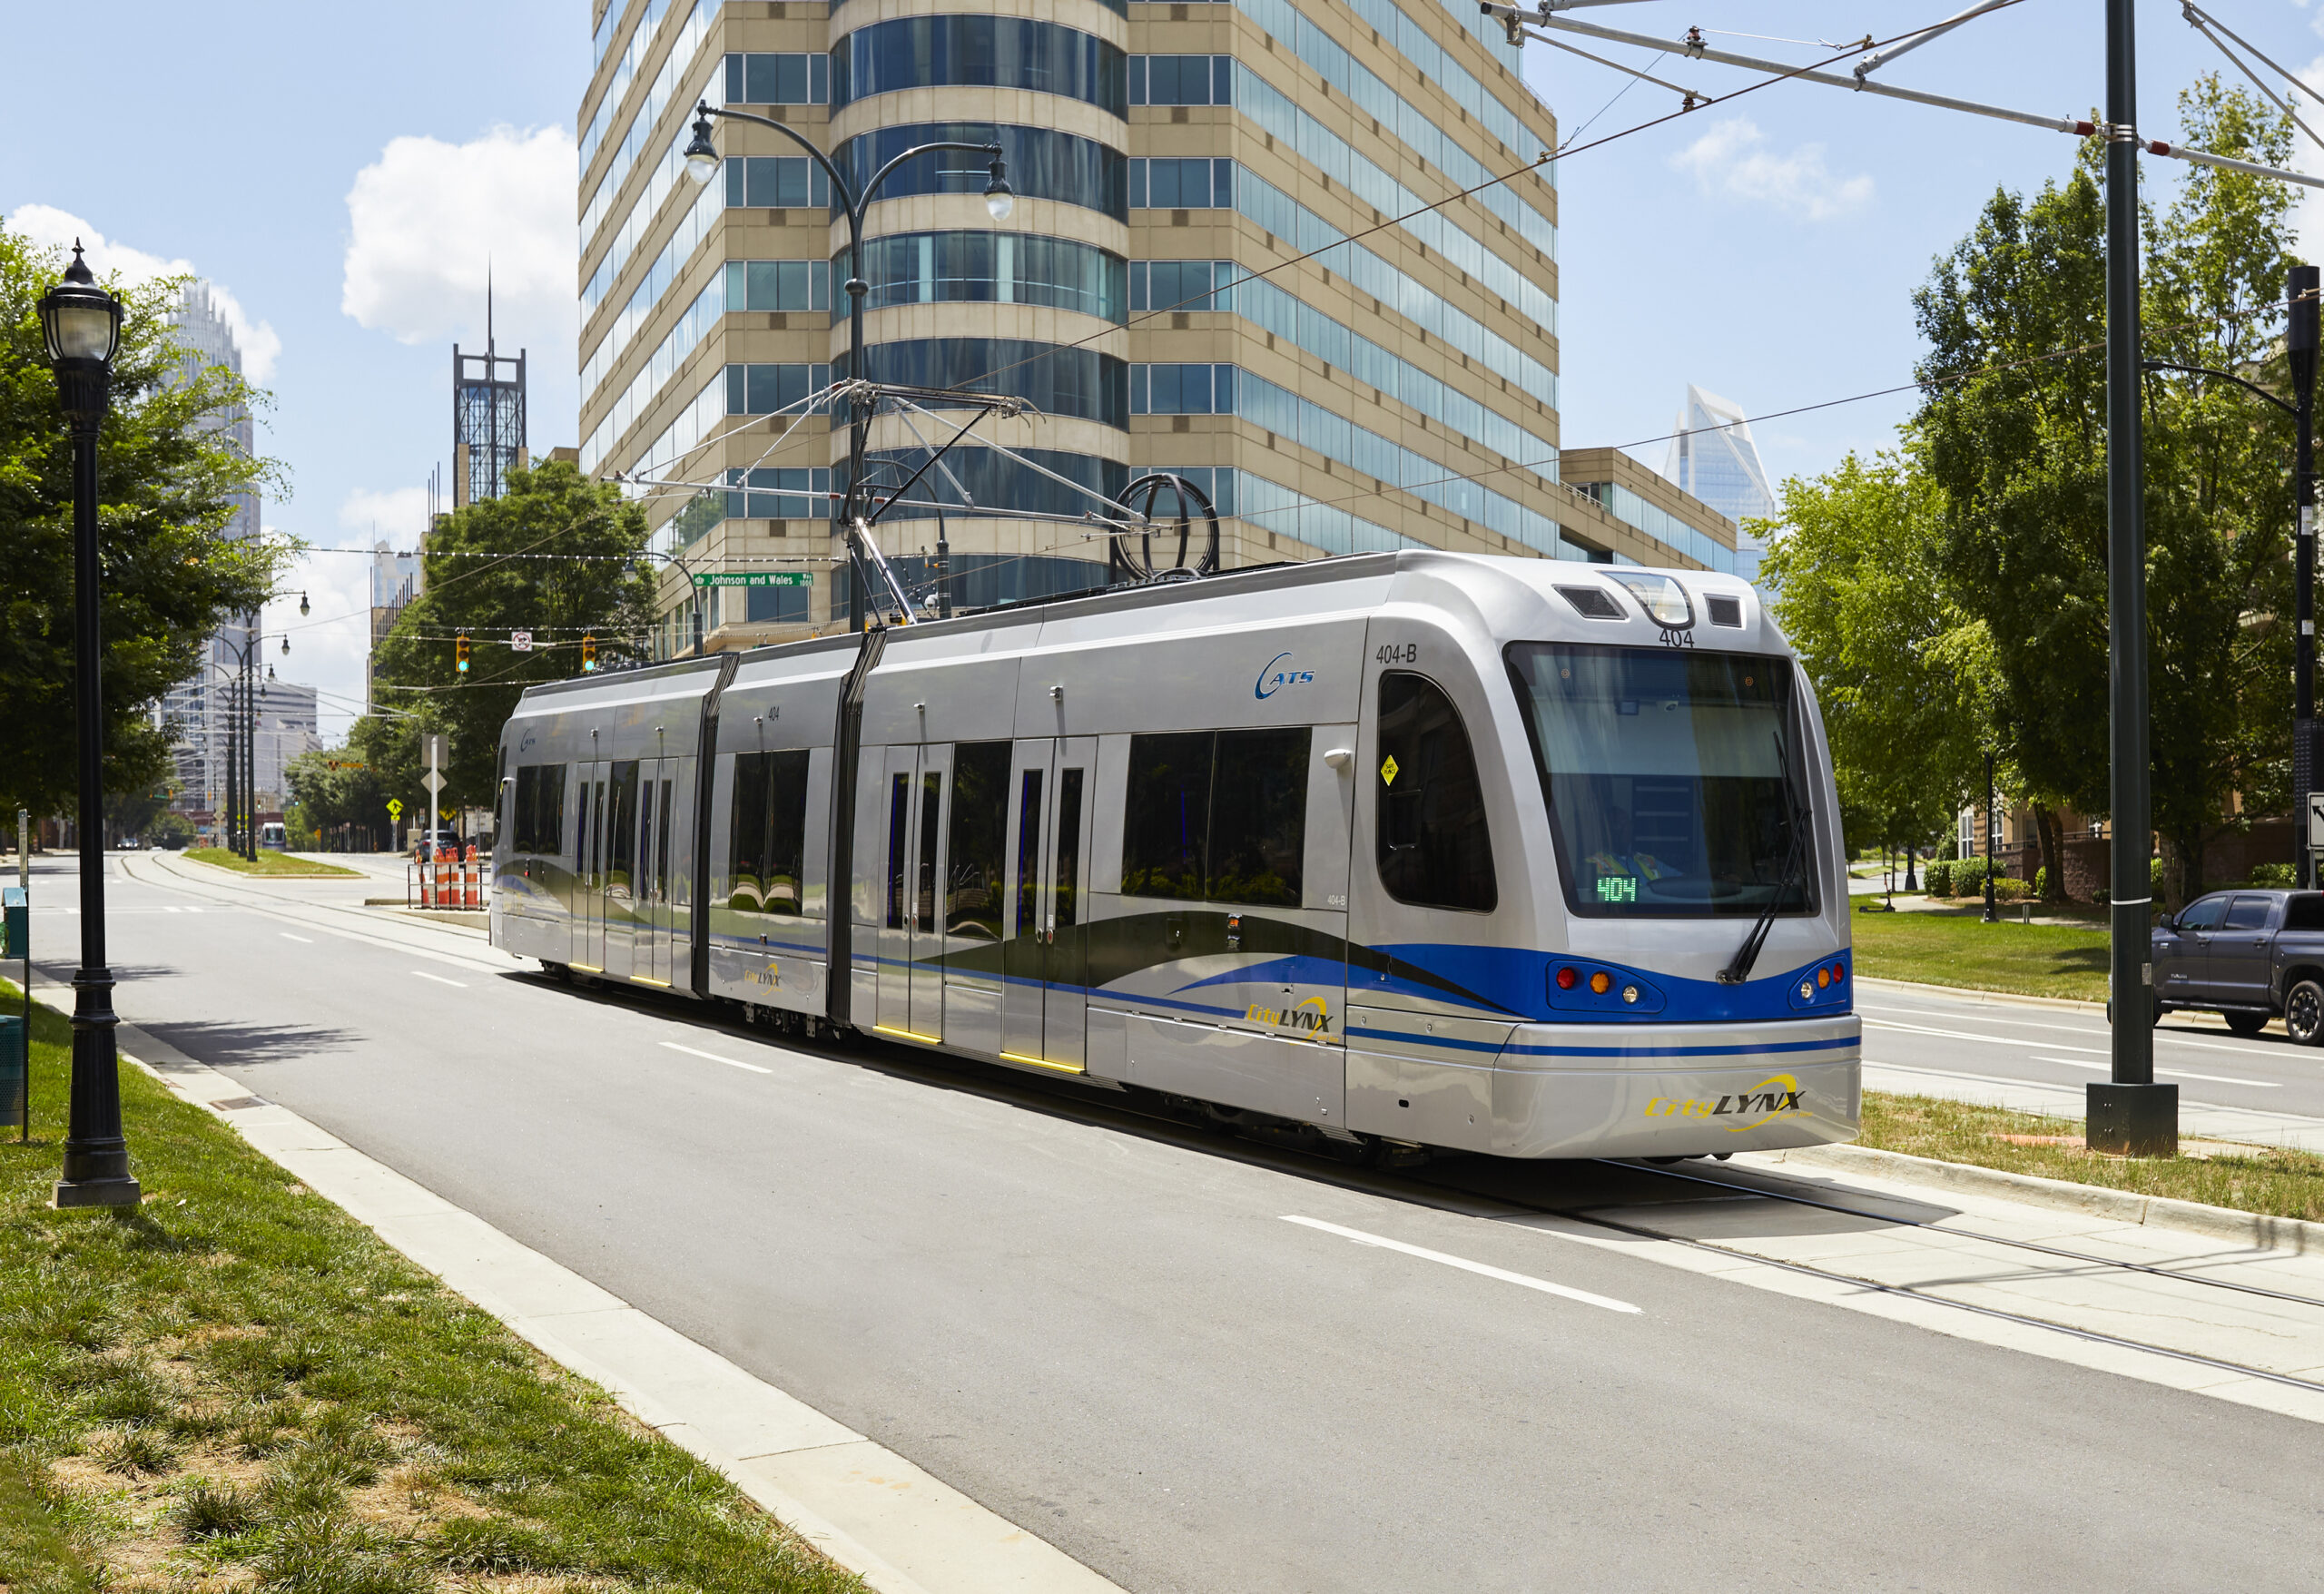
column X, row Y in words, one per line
column 488, row 416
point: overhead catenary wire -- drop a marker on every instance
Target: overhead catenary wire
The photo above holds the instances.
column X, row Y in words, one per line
column 2202, row 22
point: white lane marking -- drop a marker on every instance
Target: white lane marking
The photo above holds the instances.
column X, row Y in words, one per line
column 167, row 908
column 2223, row 1080
column 2075, row 1063
column 301, row 940
column 2166, row 1036
column 2108, row 1067
column 1463, row 1263
column 715, row 1057
column 441, row 980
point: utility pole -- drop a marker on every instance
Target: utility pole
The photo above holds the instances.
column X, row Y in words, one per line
column 1989, row 836
column 2128, row 1114
column 2300, row 345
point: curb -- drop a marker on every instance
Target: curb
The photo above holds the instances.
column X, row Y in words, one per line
column 829, row 1485
column 1973, row 994
column 2220, row 1223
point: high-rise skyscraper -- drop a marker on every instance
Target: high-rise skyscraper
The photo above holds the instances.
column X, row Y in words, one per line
column 487, row 417
column 1713, row 458
column 198, row 706
column 1204, row 272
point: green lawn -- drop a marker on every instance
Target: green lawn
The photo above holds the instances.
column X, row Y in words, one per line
column 1946, row 948
column 2282, row 1183
column 238, row 1387
column 277, row 865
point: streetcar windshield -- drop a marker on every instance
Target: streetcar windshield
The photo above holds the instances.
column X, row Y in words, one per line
column 1672, row 776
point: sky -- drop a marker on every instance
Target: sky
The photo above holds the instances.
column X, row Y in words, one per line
column 345, row 178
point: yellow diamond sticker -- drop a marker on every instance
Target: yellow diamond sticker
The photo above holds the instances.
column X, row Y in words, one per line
column 1388, row 772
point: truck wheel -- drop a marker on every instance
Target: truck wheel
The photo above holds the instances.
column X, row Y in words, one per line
column 2304, row 1013
column 2247, row 1023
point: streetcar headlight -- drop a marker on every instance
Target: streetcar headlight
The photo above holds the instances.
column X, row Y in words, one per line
column 1806, row 990
column 1629, row 993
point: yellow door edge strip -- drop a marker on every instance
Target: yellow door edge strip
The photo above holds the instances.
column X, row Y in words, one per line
column 909, row 1035
column 1013, row 1057
column 643, row 980
column 585, row 968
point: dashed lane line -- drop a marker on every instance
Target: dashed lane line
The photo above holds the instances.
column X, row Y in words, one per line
column 439, row 979
column 1526, row 1281
column 715, row 1057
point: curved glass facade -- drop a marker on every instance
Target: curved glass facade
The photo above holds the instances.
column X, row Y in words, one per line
column 1000, row 485
column 991, row 268
column 1056, row 379
column 1043, row 163
column 956, row 50
column 981, row 580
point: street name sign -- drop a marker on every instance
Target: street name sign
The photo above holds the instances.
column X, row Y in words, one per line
column 754, row 578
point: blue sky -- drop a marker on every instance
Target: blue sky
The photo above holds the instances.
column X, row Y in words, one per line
column 343, row 175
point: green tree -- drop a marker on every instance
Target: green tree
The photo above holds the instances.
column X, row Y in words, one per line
column 558, row 555
column 2013, row 432
column 166, row 484
column 1851, row 561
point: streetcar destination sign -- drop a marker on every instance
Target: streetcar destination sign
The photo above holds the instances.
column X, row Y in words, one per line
column 755, row 578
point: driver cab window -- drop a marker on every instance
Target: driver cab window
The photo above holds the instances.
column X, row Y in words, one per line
column 2203, row 915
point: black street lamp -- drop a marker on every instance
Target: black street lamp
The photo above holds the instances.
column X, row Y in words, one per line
column 80, row 323
column 1989, row 836
column 702, row 165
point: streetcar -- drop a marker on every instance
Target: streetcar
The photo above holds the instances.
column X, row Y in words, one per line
column 1521, row 857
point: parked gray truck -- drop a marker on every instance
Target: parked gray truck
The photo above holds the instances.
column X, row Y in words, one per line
column 2248, row 954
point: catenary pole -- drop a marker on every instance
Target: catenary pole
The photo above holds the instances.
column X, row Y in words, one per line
column 2300, row 344
column 2128, row 1113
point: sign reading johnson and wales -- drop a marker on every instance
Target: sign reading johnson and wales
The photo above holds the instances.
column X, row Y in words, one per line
column 754, row 578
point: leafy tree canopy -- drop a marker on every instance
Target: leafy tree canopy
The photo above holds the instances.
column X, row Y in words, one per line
column 558, row 555
column 167, row 478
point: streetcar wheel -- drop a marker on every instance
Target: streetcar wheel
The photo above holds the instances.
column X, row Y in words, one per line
column 2304, row 1013
column 2247, row 1023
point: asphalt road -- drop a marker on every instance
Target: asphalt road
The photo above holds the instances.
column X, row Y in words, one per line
column 1103, row 1329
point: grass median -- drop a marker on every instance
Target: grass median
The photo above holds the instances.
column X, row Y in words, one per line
column 1959, row 949
column 273, row 865
column 2265, row 1179
column 236, row 1386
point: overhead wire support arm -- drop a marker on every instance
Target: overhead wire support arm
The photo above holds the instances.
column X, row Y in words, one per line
column 1880, row 58
column 2202, row 22
column 1524, row 23
column 2285, row 405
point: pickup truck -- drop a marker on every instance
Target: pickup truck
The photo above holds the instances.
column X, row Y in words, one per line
column 2250, row 956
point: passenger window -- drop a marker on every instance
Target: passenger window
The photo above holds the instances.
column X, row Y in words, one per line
column 621, row 830
column 1069, row 847
column 932, row 807
column 1166, row 828
column 972, row 885
column 1258, row 817
column 520, row 808
column 1029, row 852
column 2304, row 910
column 1217, row 816
column 746, row 889
column 548, row 809
column 2249, row 913
column 899, row 821
column 1432, row 845
column 784, row 876
column 2203, row 915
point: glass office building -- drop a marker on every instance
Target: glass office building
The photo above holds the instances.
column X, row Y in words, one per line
column 1714, row 460
column 1213, row 267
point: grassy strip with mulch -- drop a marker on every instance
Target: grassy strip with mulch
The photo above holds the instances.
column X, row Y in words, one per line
column 1944, row 948
column 2273, row 1180
column 275, row 865
column 236, row 1386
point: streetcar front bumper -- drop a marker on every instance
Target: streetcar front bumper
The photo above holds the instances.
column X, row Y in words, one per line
column 1677, row 1089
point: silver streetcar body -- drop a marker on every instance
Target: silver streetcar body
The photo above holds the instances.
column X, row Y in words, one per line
column 1155, row 838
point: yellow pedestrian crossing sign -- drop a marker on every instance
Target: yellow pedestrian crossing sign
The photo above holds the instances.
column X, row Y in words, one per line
column 395, row 808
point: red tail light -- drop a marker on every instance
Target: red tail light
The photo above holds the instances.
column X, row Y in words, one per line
column 1568, row 979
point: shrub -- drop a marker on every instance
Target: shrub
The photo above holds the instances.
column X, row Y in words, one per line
column 1969, row 878
column 2271, row 874
column 2013, row 890
column 2154, row 880
column 2041, row 881
column 1938, row 877
column 134, row 1450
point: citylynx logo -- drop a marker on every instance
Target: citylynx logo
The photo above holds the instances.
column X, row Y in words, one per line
column 1762, row 1104
column 1310, row 1018
column 1273, row 680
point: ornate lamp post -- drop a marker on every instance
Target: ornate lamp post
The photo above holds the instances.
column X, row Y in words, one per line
column 702, row 164
column 82, row 325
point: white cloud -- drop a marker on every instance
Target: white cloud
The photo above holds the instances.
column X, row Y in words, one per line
column 331, row 644
column 396, row 517
column 1730, row 160
column 45, row 224
column 425, row 219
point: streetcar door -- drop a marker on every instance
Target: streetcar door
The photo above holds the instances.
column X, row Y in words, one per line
column 653, row 931
column 1044, row 955
column 588, row 870
column 911, row 941
column 619, row 895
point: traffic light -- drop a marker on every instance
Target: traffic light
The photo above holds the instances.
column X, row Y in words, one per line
column 460, row 655
column 589, row 653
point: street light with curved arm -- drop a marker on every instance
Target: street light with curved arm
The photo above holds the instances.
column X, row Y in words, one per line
column 702, row 164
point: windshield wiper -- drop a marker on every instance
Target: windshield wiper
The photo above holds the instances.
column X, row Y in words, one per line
column 1746, row 955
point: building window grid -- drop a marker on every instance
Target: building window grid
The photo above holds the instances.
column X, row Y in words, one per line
column 1043, row 163
column 1182, row 79
column 784, row 493
column 783, row 287
column 956, row 267
column 639, row 131
column 977, row 50
column 1182, row 285
column 669, row 355
column 639, row 39
column 768, row 389
column 691, row 230
column 636, row 223
column 776, row 182
column 787, row 78
column 1635, row 512
column 1274, row 111
column 1177, row 184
